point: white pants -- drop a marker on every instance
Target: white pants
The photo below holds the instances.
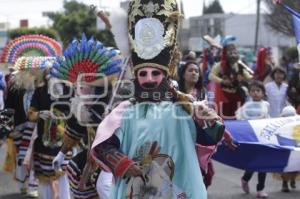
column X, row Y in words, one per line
column 32, row 182
column 104, row 184
column 21, row 176
column 26, row 180
column 64, row 189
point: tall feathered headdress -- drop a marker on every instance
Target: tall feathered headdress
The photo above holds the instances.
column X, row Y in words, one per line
column 28, row 54
column 30, row 45
column 30, row 71
column 86, row 57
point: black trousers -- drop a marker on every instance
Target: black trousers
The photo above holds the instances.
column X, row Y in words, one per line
column 261, row 179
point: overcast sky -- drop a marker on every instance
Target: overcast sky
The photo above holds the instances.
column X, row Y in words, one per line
column 14, row 10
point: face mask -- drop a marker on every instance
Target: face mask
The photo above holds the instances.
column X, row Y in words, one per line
column 149, row 78
column 84, row 90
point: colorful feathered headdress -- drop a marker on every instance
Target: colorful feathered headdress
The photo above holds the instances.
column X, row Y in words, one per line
column 86, row 57
column 30, row 71
column 25, row 55
column 30, row 45
column 26, row 63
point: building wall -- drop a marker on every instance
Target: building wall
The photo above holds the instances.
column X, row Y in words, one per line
column 241, row 26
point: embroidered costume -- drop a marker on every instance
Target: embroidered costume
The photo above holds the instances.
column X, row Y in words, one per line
column 94, row 64
column 151, row 140
column 231, row 77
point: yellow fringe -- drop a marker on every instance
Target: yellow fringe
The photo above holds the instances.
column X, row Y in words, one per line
column 10, row 160
column 43, row 178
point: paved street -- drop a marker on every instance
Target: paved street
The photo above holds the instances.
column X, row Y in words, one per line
column 226, row 185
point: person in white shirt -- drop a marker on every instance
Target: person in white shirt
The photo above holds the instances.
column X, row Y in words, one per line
column 256, row 108
column 276, row 91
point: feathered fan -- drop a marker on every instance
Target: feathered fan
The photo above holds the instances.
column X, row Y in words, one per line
column 86, row 56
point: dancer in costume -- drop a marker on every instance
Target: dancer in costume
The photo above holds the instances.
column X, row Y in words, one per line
column 6, row 116
column 50, row 130
column 231, row 76
column 28, row 75
column 149, row 143
column 96, row 63
column 21, row 88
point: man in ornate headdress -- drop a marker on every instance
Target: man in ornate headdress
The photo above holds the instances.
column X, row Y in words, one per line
column 149, row 143
column 27, row 76
column 29, row 54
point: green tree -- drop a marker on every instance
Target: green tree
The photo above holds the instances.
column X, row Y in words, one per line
column 291, row 53
column 279, row 19
column 26, row 31
column 77, row 18
column 213, row 7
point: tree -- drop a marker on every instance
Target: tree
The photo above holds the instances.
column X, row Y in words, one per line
column 214, row 7
column 279, row 19
column 26, row 31
column 77, row 18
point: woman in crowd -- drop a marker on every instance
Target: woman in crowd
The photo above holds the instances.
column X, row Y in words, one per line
column 264, row 65
column 276, row 91
column 190, row 80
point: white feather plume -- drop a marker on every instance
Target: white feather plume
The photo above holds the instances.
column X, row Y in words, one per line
column 119, row 22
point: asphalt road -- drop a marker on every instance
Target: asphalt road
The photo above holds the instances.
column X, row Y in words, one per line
column 226, row 185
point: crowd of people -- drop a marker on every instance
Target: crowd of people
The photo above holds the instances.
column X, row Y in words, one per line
column 73, row 127
column 242, row 94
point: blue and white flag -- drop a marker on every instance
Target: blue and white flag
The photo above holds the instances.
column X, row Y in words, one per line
column 267, row 145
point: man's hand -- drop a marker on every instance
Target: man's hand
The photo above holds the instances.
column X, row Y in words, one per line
column 203, row 112
column 133, row 171
column 230, row 145
column 226, row 82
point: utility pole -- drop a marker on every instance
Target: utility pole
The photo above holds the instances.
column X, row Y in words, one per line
column 257, row 24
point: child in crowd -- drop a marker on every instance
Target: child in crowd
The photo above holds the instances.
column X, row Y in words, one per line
column 256, row 108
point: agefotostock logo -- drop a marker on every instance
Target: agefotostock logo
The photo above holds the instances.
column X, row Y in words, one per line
column 80, row 96
column 85, row 97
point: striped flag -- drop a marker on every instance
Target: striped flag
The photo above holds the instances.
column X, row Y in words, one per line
column 266, row 145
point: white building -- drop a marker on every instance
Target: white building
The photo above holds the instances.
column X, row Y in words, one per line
column 240, row 25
